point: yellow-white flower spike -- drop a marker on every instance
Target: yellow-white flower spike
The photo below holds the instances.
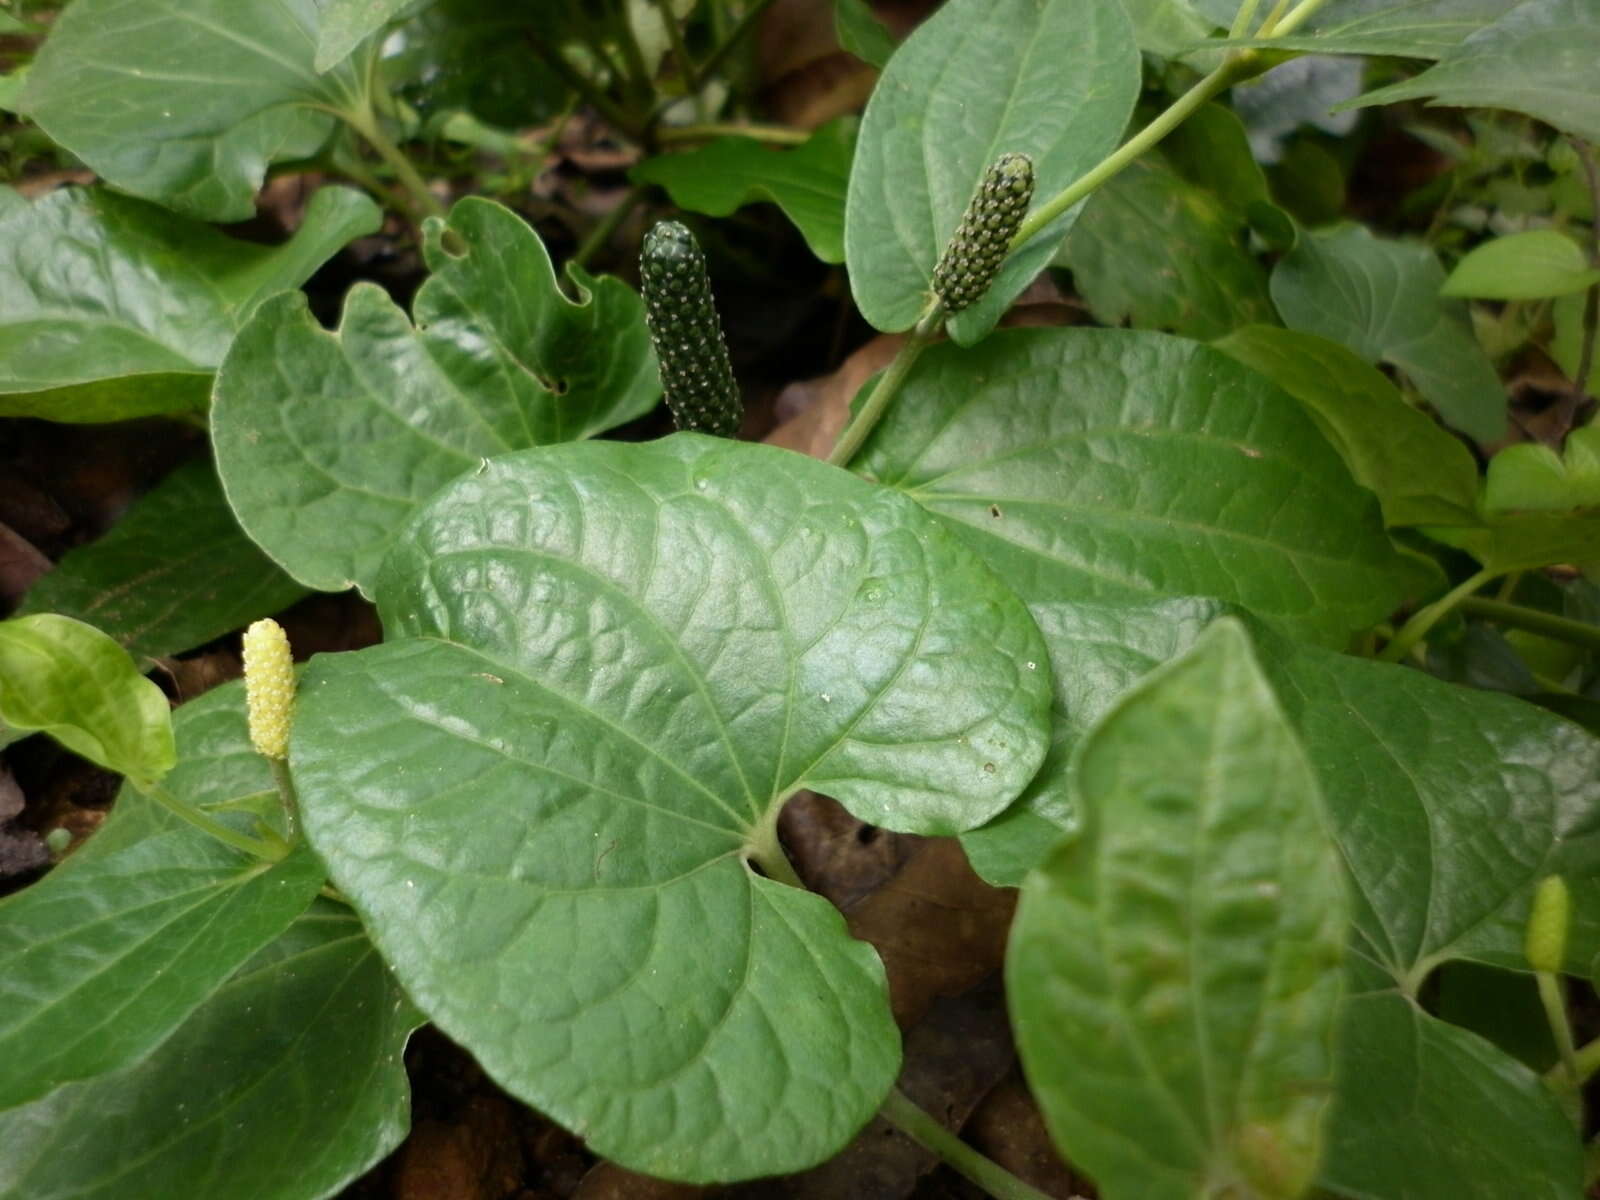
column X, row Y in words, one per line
column 269, row 687
column 1546, row 939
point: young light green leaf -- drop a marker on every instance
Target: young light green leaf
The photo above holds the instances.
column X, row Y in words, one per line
column 1414, row 1090
column 1421, row 474
column 1381, row 299
column 173, row 573
column 1566, row 347
column 1524, row 541
column 188, row 103
column 287, row 1082
column 1174, row 471
column 595, row 649
column 326, row 442
column 1052, row 79
column 1154, row 250
column 67, row 679
column 112, row 308
column 862, row 34
column 1532, row 477
column 1414, row 29
column 100, row 961
column 1538, row 58
column 345, row 24
column 807, row 183
column 1532, row 265
column 1174, row 972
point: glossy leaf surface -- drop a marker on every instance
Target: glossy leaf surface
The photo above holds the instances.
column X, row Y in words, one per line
column 288, row 1082
column 808, row 183
column 1173, row 471
column 1432, row 1112
column 326, row 442
column 1053, row 79
column 101, row 961
column 1538, row 59
column 173, row 573
column 1174, row 972
column 1420, row 473
column 111, row 308
column 1381, row 300
column 598, row 694
column 67, row 679
column 188, row 102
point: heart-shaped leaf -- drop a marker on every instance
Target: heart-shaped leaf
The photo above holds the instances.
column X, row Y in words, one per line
column 326, row 442
column 67, row 679
column 1174, row 972
column 189, row 103
column 1420, row 473
column 174, row 572
column 1381, row 299
column 1053, row 79
column 1532, row 265
column 808, row 182
column 1173, row 471
column 111, row 308
column 1538, row 58
column 611, row 665
column 1431, row 1112
column 288, row 1082
column 1448, row 804
column 101, row 960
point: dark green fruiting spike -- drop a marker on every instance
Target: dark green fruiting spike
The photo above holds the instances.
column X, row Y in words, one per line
column 973, row 257
column 695, row 371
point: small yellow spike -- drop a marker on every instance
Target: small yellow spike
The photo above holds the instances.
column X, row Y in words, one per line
column 1546, row 942
column 269, row 687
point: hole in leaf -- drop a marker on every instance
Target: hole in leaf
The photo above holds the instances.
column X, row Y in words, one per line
column 453, row 244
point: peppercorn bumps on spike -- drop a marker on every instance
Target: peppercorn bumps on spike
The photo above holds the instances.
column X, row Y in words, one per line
column 269, row 687
column 973, row 256
column 695, row 372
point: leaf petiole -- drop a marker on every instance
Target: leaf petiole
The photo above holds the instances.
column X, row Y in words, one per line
column 1424, row 619
column 877, row 402
column 919, row 1125
column 207, row 824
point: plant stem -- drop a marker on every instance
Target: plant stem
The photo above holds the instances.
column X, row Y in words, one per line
column 365, row 122
column 680, row 52
column 780, row 135
column 1301, row 13
column 877, row 402
column 1555, row 1012
column 1241, row 19
column 920, row 1126
column 1585, row 1062
column 286, row 798
column 638, row 72
column 585, row 87
column 607, row 226
column 208, row 824
column 731, row 42
column 1424, row 619
column 1562, row 629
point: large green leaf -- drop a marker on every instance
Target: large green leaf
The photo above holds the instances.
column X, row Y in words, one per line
column 1053, row 79
column 807, row 183
column 175, row 572
column 1154, row 250
column 612, row 664
column 101, row 961
column 1172, row 471
column 1421, row 474
column 67, row 679
column 112, row 308
column 345, row 24
column 1381, row 299
column 1539, row 58
column 287, row 1083
column 188, row 102
column 1448, row 804
column 1431, row 1112
column 1403, row 28
column 1532, row 265
column 1174, row 973
column 326, row 442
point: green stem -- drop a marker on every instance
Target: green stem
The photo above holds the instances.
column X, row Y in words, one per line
column 365, row 122
column 638, row 72
column 919, row 1125
column 766, row 851
column 208, row 824
column 1424, row 619
column 1242, row 19
column 585, row 87
column 877, row 402
column 286, row 798
column 607, row 226
column 1517, row 616
column 680, row 52
column 731, row 42
column 1555, row 1012
column 1301, row 13
column 1585, row 1062
column 779, row 135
